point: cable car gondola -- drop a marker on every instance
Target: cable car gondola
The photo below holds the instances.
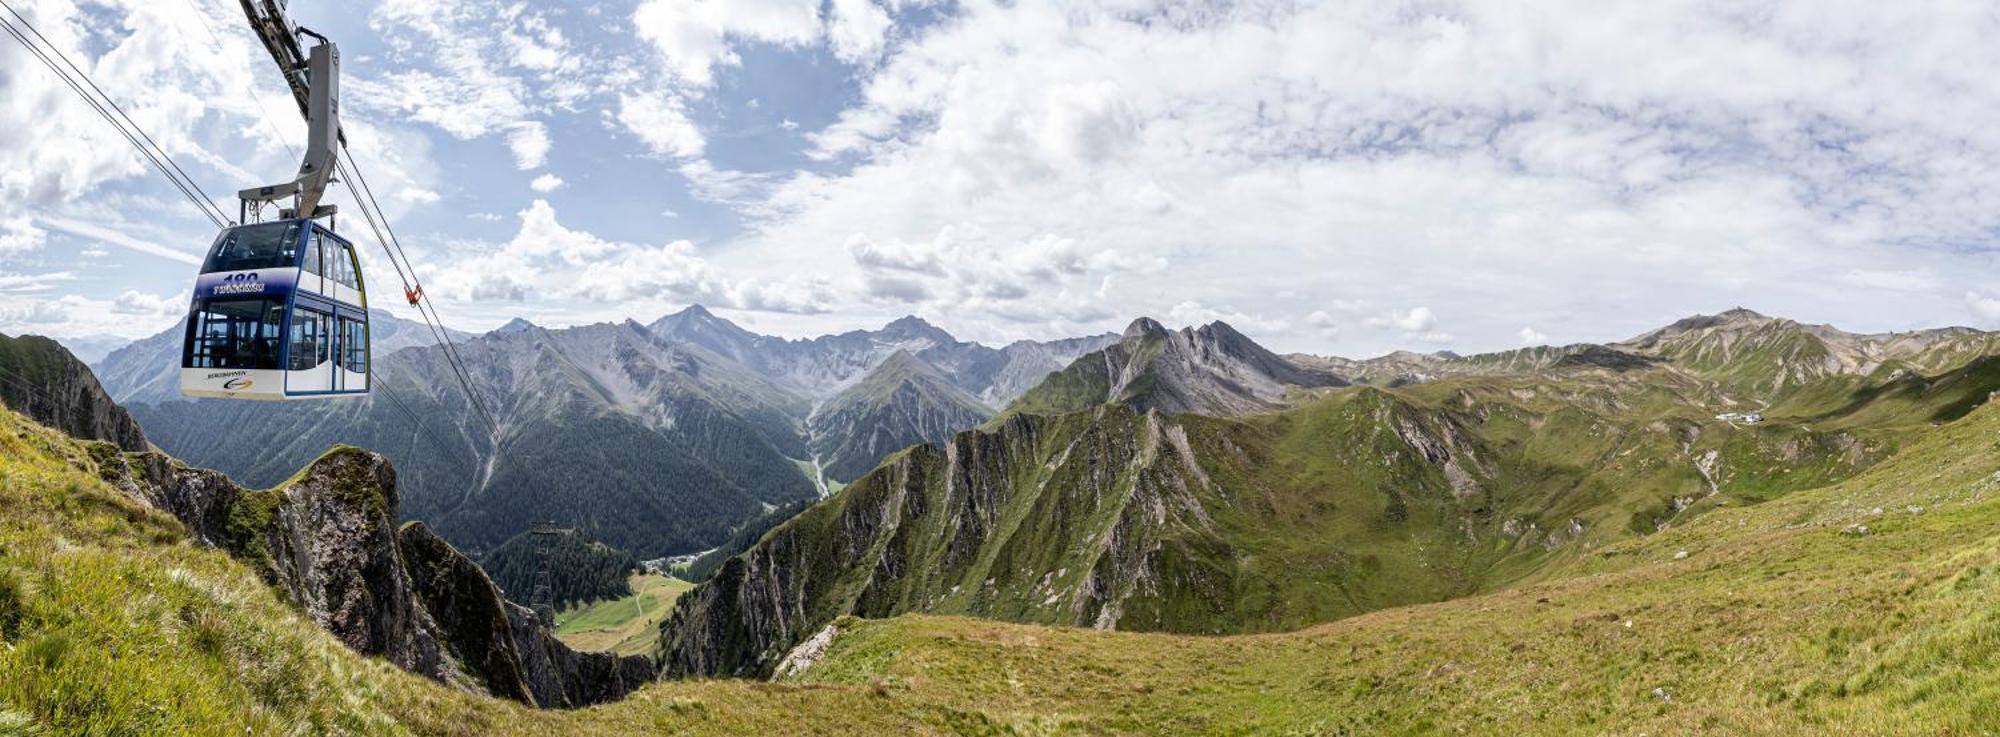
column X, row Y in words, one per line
column 279, row 312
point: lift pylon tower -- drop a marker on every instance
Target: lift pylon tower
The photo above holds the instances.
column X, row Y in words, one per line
column 542, row 599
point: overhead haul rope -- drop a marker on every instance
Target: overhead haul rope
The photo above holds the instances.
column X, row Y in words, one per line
column 47, row 53
column 378, row 222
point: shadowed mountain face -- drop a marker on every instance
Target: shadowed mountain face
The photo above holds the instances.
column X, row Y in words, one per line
column 655, row 439
column 41, row 379
column 903, row 402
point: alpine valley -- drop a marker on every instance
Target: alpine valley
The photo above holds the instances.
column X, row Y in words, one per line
column 1733, row 524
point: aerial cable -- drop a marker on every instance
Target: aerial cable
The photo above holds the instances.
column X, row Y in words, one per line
column 371, row 210
column 438, row 332
column 156, row 154
column 417, row 427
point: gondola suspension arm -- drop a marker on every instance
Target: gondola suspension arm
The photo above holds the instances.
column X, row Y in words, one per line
column 314, row 77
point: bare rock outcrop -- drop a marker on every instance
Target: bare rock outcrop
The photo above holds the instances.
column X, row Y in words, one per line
column 327, row 539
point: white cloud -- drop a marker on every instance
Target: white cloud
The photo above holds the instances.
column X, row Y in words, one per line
column 693, row 36
column 130, row 315
column 1983, row 306
column 1531, row 337
column 19, row 235
column 547, row 262
column 921, row 258
column 660, row 121
column 966, row 269
column 421, row 196
column 1413, row 320
column 546, row 183
column 1901, row 280
column 1670, row 155
column 1192, row 313
column 140, row 304
column 857, row 30
column 106, row 235
column 529, row 142
column 1325, row 323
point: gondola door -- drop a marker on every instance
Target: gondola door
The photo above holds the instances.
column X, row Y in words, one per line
column 309, row 368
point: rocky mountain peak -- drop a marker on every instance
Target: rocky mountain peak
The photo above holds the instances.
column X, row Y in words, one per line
column 1143, row 327
column 1211, row 370
column 516, row 325
column 911, row 326
column 1742, row 313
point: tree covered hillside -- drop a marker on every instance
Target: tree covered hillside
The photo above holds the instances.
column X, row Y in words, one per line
column 581, row 570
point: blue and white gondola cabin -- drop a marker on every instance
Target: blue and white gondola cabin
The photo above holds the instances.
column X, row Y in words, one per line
column 279, row 312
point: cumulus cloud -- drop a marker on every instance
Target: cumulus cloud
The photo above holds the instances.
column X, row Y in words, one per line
column 1531, row 337
column 529, row 142
column 920, row 258
column 546, row 183
column 693, row 36
column 1190, row 312
column 1324, row 322
column 19, row 235
column 1347, row 148
column 141, row 304
column 1983, row 306
column 964, row 269
column 857, row 30
column 1413, row 320
column 132, row 314
column 549, row 262
column 660, row 121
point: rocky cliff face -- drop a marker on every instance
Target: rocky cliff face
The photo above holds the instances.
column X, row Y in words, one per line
column 327, row 539
column 39, row 378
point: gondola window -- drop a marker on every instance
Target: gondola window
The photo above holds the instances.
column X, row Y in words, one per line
column 235, row 334
column 311, row 337
column 265, row 246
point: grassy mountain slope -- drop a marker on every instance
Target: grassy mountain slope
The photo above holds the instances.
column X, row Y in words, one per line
column 1774, row 622
column 628, row 625
column 1363, row 499
column 1782, row 618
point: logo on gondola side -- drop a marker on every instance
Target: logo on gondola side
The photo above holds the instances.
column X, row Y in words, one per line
column 237, row 384
column 244, row 283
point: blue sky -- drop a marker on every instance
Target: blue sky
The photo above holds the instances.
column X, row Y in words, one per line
column 1331, row 177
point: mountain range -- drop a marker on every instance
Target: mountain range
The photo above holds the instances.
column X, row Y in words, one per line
column 657, row 439
column 1188, row 481
column 1738, row 523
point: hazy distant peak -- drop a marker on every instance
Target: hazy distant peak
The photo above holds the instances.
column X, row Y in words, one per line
column 516, row 325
